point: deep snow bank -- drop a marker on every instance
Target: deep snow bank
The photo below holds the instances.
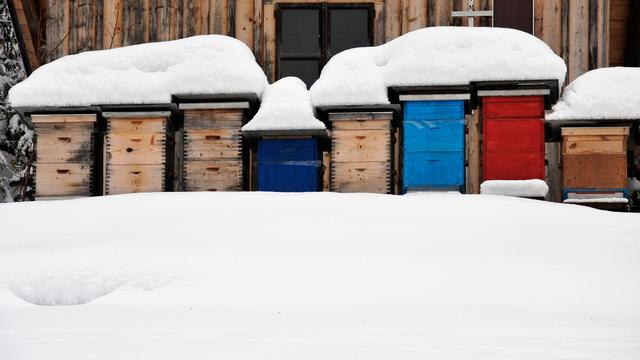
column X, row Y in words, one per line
column 607, row 93
column 317, row 276
column 144, row 74
column 286, row 105
column 435, row 56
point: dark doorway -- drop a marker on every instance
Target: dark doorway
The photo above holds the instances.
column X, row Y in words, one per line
column 514, row 14
column 308, row 35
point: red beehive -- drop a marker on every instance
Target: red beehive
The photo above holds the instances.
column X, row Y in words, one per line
column 513, row 147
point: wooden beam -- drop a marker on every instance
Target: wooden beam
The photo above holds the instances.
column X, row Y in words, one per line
column 269, row 41
column 443, row 9
column 393, row 19
column 578, row 38
column 552, row 25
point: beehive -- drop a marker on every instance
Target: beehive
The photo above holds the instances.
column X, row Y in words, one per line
column 212, row 155
column 288, row 165
column 138, row 154
column 433, row 143
column 65, row 155
column 513, row 133
column 361, row 152
column 594, row 159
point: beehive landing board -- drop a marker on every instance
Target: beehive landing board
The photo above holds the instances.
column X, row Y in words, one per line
column 65, row 155
column 136, row 152
column 212, row 150
column 361, row 152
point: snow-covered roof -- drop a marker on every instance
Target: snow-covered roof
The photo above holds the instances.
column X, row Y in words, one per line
column 435, row 56
column 286, row 105
column 144, row 74
column 607, row 93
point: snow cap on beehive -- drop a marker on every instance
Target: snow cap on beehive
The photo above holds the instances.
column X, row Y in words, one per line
column 607, row 93
column 144, row 74
column 435, row 56
column 286, row 105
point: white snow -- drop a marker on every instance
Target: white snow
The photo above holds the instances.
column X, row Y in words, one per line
column 524, row 188
column 606, row 93
column 317, row 276
column 597, row 200
column 286, row 105
column 144, row 74
column 435, row 56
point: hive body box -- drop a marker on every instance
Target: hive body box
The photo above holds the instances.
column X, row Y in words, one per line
column 361, row 152
column 212, row 146
column 433, row 144
column 513, row 130
column 594, row 161
column 288, row 165
column 66, row 161
column 138, row 152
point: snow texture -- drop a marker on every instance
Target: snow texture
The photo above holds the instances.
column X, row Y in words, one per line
column 598, row 200
column 523, row 188
column 144, row 74
column 435, row 56
column 317, row 276
column 607, row 93
column 286, row 105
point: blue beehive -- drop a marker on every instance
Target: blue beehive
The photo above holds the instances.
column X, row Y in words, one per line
column 433, row 149
column 288, row 165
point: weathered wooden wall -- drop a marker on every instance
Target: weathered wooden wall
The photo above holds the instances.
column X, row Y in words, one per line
column 577, row 30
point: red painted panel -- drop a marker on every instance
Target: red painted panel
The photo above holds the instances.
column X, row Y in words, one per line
column 513, row 166
column 512, row 107
column 523, row 135
column 513, row 147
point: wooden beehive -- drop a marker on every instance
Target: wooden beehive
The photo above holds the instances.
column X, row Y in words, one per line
column 594, row 158
column 65, row 155
column 138, row 157
column 513, row 130
column 212, row 146
column 361, row 152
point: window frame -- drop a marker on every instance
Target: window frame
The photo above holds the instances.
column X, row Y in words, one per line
column 324, row 10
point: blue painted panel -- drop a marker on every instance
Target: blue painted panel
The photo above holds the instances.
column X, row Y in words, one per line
column 425, row 170
column 288, row 165
column 434, row 110
column 433, row 145
column 433, row 135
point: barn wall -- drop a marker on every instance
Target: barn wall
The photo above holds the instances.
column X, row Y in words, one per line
column 574, row 29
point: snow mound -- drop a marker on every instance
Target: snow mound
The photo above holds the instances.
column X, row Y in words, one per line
column 55, row 287
column 144, row 74
column 286, row 105
column 319, row 276
column 435, row 56
column 607, row 93
column 522, row 188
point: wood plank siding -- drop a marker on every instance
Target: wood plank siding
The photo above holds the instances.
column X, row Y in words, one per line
column 577, row 30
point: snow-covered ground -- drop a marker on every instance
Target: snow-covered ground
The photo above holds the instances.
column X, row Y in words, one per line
column 317, row 276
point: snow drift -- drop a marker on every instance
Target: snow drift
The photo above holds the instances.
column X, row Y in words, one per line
column 286, row 105
column 524, row 188
column 144, row 74
column 435, row 56
column 607, row 93
column 317, row 276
